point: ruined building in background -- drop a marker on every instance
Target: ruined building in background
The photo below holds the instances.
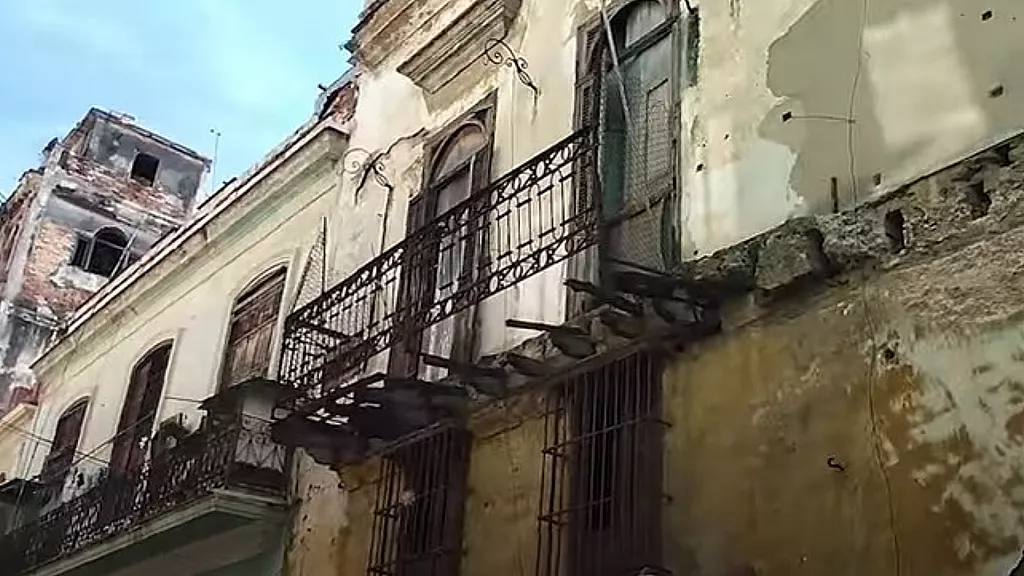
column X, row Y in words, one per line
column 99, row 199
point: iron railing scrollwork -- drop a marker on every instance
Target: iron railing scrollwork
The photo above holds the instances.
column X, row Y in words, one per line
column 238, row 454
column 523, row 223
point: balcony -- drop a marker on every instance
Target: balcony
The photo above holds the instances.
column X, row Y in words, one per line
column 220, row 479
column 540, row 214
column 520, row 225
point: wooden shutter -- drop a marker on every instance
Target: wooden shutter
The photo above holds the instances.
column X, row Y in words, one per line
column 65, row 442
column 414, row 289
column 586, row 114
column 139, row 411
column 251, row 334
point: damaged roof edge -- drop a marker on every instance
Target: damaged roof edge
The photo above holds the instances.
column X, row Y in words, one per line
column 165, row 247
column 146, row 133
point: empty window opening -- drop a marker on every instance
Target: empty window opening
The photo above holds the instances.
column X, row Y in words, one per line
column 978, row 200
column 417, row 518
column 251, row 334
column 144, row 168
column 103, row 254
column 895, row 230
column 601, row 485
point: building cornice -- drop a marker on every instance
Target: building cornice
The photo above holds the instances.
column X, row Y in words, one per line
column 444, row 38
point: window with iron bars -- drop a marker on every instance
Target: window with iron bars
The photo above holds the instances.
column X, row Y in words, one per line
column 417, row 519
column 601, row 492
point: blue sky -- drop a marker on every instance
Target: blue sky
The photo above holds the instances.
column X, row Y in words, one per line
column 248, row 68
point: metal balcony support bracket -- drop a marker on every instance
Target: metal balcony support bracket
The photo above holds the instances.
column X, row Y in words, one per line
column 499, row 52
column 573, row 341
column 370, row 167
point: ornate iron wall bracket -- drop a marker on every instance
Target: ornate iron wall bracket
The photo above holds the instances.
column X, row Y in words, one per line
column 371, row 166
column 499, row 52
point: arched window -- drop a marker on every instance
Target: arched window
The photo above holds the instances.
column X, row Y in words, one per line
column 458, row 165
column 139, row 411
column 632, row 109
column 65, row 443
column 103, row 254
column 251, row 334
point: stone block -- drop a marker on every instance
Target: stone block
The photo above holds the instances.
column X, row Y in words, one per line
column 790, row 254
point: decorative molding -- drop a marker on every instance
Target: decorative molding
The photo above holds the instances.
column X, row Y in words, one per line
column 442, row 39
column 460, row 44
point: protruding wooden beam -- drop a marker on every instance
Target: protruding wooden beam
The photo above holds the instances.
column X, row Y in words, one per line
column 573, row 341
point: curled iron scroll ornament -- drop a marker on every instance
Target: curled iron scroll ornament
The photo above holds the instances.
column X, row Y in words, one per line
column 371, row 165
column 499, row 52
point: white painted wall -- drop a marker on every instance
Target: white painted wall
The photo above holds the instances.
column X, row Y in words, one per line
column 188, row 300
column 16, row 445
column 878, row 91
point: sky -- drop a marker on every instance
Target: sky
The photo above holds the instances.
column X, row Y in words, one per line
column 246, row 68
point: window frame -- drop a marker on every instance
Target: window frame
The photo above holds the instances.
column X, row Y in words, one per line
column 127, row 454
column 61, row 458
column 405, row 356
column 592, row 66
column 86, row 246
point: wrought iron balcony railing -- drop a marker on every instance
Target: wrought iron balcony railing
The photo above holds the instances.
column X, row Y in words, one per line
column 237, row 455
column 518, row 226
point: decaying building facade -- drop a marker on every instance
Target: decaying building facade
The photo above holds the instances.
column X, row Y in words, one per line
column 100, row 198
column 149, row 450
column 714, row 287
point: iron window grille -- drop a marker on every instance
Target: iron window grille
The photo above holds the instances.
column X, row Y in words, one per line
column 601, row 491
column 417, row 519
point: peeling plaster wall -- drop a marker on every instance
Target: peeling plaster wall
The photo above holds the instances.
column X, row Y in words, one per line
column 859, row 415
column 15, row 447
column 913, row 381
column 81, row 186
column 873, row 91
column 331, row 528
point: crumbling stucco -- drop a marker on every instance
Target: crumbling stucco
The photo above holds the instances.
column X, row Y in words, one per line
column 83, row 185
